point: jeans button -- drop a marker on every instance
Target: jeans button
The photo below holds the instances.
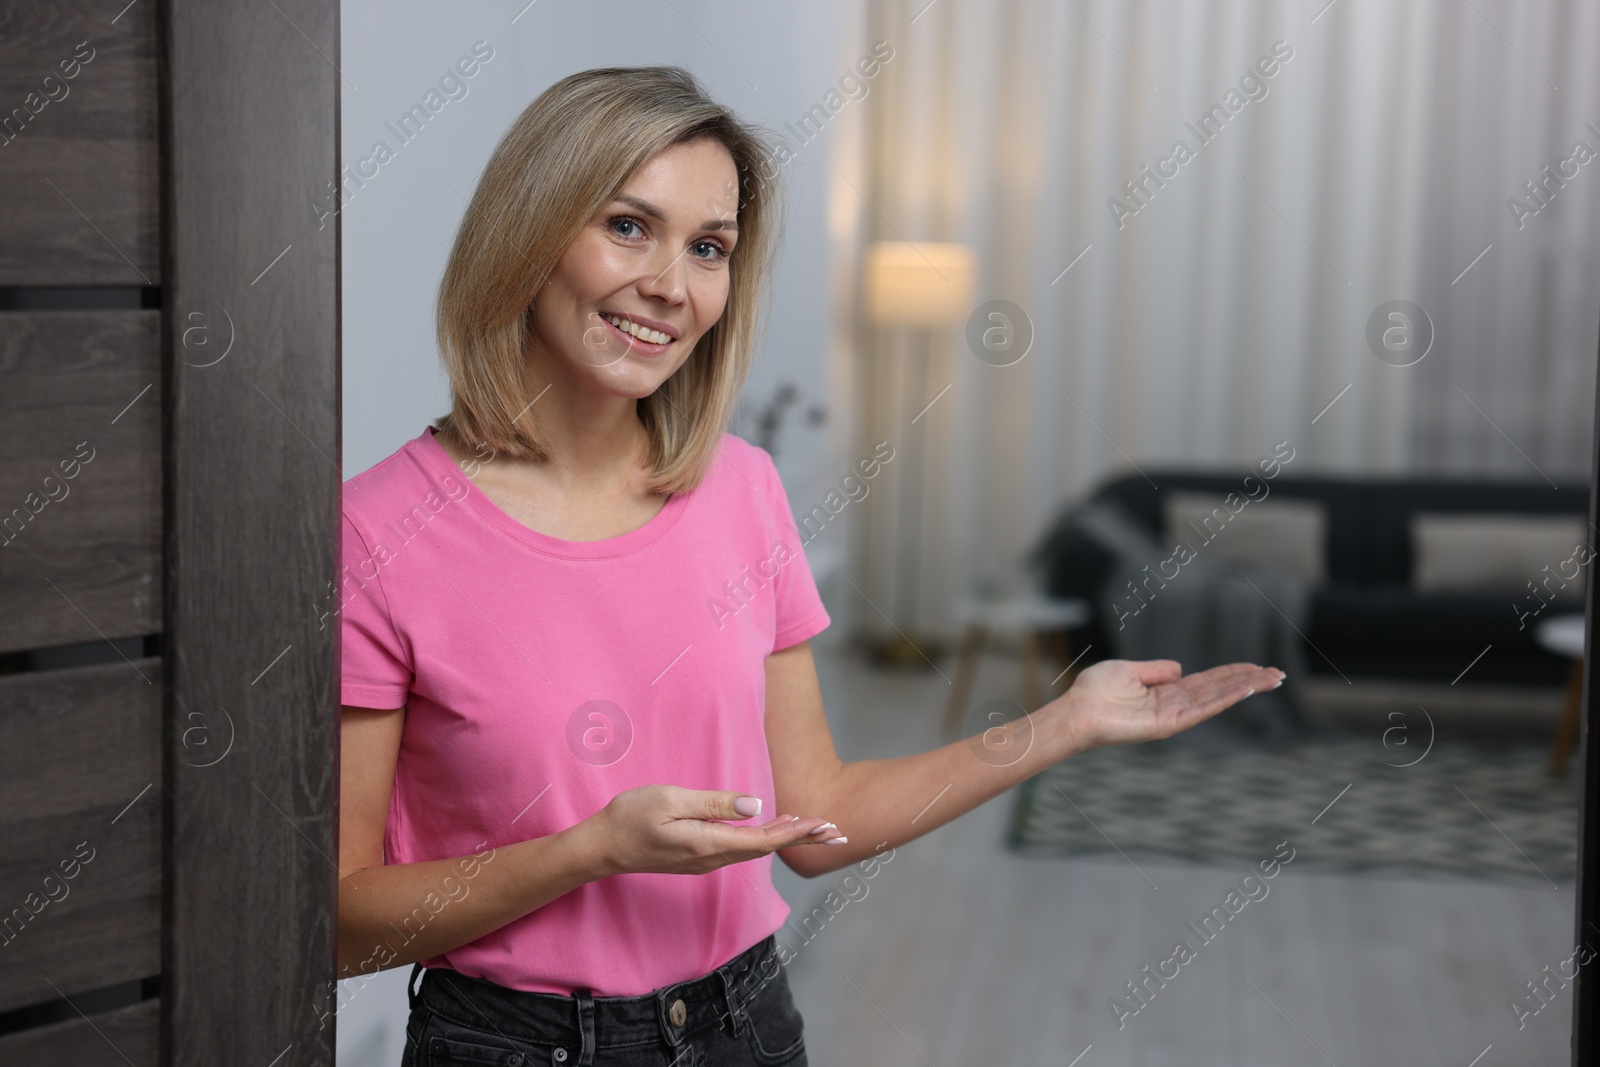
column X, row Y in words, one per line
column 514, row 1060
column 677, row 1012
column 560, row 1055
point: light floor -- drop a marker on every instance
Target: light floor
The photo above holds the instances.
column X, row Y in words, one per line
column 961, row 953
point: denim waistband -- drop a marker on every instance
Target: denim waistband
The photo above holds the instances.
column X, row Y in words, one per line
column 587, row 1022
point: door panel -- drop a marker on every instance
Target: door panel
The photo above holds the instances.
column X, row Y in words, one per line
column 79, row 173
column 80, row 476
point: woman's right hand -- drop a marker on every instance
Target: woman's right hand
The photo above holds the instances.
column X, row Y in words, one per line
column 673, row 830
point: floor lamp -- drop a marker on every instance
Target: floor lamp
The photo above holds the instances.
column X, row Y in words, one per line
column 926, row 287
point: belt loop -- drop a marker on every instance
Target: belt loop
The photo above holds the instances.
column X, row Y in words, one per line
column 749, row 962
column 735, row 1004
column 585, row 1001
column 411, row 984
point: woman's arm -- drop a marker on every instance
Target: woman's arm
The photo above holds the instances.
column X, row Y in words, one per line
column 397, row 914
column 394, row 914
column 886, row 802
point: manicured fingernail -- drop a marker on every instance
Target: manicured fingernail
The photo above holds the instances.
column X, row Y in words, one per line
column 836, row 840
column 747, row 805
column 1277, row 683
column 825, row 826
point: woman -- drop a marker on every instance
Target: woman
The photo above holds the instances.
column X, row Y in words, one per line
column 575, row 627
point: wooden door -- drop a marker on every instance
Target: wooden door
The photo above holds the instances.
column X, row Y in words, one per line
column 169, row 491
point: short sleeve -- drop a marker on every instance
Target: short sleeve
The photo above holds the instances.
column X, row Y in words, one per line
column 799, row 605
column 374, row 668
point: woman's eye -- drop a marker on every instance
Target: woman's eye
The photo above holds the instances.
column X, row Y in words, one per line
column 623, row 220
column 717, row 251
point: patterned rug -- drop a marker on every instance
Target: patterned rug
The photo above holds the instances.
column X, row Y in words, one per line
column 1468, row 807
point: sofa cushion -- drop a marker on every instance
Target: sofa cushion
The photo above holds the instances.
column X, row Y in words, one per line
column 1289, row 535
column 1495, row 552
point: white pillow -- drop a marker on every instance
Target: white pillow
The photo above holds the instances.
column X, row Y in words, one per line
column 1289, row 535
column 1491, row 552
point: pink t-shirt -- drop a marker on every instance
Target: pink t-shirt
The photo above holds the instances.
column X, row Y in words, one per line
column 541, row 677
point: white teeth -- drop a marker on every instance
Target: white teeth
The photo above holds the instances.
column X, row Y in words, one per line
column 643, row 333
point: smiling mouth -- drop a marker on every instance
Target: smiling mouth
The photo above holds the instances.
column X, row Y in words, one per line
column 627, row 326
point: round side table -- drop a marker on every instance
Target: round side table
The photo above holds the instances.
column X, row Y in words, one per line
column 1027, row 615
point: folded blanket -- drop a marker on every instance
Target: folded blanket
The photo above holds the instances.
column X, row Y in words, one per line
column 1179, row 603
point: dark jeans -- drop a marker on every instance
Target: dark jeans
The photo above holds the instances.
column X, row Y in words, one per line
column 738, row 1015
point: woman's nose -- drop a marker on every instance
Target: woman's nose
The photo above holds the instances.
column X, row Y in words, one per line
column 664, row 277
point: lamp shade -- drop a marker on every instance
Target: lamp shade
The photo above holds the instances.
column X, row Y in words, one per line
column 918, row 284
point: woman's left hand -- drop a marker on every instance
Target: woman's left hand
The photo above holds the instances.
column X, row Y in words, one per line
column 1120, row 701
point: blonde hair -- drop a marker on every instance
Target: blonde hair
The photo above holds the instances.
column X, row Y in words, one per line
column 565, row 157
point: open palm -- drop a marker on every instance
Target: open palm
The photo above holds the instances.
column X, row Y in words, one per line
column 1122, row 701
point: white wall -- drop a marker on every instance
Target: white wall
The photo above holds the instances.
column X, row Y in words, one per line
column 770, row 63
